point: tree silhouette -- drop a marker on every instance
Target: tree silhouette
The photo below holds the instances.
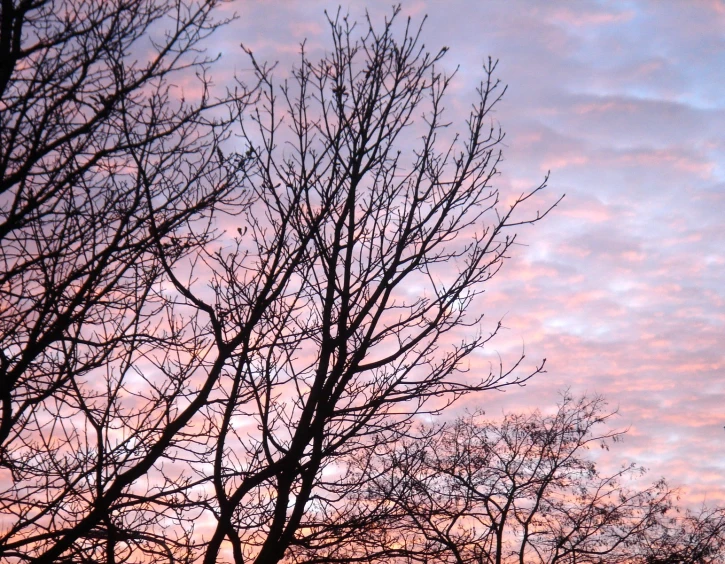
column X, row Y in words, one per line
column 172, row 390
column 526, row 488
column 334, row 355
column 693, row 538
column 109, row 176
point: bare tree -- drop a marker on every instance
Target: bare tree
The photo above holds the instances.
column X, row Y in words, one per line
column 156, row 380
column 108, row 176
column 366, row 257
column 525, row 489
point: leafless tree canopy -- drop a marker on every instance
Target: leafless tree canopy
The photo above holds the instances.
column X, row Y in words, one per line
column 528, row 488
column 109, row 177
column 525, row 489
column 221, row 311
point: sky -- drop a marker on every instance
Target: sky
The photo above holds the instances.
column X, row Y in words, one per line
column 622, row 288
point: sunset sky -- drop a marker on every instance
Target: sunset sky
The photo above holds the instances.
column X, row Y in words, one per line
column 622, row 289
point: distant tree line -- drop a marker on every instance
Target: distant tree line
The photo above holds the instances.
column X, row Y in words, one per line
column 223, row 314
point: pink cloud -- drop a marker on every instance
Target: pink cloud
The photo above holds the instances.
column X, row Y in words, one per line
column 585, row 17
